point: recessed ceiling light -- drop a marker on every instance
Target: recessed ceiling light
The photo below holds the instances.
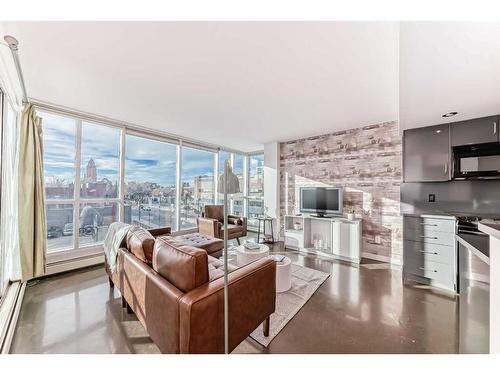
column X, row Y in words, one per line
column 450, row 114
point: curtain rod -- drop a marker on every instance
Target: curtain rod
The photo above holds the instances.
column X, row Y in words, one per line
column 13, row 45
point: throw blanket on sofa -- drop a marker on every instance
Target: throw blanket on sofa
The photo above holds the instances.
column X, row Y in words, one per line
column 114, row 238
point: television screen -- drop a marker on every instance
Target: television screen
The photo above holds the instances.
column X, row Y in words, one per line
column 321, row 200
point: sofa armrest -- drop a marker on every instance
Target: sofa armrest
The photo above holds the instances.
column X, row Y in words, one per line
column 209, row 227
column 252, row 299
column 157, row 232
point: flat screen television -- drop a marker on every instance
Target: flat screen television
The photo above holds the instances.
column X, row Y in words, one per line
column 321, row 201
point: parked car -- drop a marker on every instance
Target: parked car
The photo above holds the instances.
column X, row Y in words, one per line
column 54, row 232
column 68, row 229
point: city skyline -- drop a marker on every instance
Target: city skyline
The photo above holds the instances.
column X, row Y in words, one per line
column 102, row 144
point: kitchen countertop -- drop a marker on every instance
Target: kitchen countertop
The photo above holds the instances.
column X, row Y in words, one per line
column 478, row 245
column 448, row 214
column 491, row 229
column 438, row 215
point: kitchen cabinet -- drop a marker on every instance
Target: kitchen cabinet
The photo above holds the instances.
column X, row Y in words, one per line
column 426, row 154
column 480, row 130
column 429, row 251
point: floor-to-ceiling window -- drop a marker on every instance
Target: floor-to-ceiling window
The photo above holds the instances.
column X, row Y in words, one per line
column 255, row 188
column 150, row 182
column 59, row 154
column 197, row 181
column 9, row 232
column 3, row 279
column 82, row 174
column 87, row 164
column 99, row 178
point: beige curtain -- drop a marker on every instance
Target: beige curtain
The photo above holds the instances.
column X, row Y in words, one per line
column 32, row 240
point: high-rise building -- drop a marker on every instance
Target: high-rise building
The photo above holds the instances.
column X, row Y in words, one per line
column 91, row 172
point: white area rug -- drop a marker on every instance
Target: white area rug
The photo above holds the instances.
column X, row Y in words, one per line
column 305, row 281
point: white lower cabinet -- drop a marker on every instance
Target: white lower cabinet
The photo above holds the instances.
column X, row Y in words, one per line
column 430, row 250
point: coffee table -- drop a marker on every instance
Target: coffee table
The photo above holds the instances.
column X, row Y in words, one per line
column 245, row 256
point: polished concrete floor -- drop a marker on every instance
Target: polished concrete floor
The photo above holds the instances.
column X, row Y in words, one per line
column 359, row 309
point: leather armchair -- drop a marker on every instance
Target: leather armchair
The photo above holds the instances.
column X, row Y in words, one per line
column 212, row 223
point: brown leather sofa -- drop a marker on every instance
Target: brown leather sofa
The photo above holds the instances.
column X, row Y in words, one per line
column 176, row 292
column 212, row 223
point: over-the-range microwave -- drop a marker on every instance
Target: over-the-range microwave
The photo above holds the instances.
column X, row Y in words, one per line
column 480, row 161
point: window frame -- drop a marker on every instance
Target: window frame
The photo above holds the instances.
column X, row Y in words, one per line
column 215, row 155
column 79, row 251
column 76, row 250
column 123, row 150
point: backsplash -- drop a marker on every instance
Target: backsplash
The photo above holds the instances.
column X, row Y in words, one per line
column 367, row 163
column 471, row 197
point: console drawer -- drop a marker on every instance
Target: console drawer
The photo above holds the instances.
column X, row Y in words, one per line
column 422, row 251
column 422, row 224
column 426, row 235
column 439, row 273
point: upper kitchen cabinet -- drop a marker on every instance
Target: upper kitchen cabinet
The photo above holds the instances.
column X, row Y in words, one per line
column 480, row 130
column 427, row 154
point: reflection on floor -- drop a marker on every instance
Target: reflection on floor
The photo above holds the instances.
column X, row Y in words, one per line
column 364, row 309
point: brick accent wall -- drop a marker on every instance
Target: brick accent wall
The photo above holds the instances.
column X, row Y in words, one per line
column 365, row 161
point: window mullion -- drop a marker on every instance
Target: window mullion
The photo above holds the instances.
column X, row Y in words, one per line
column 76, row 194
column 216, row 175
column 246, row 183
column 178, row 190
column 121, row 215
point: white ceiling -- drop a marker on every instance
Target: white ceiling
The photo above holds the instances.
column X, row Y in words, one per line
column 448, row 66
column 237, row 84
column 242, row 84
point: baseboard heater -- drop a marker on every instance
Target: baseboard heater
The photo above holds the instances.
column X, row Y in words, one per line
column 10, row 306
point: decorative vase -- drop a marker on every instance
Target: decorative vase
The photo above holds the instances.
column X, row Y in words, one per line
column 350, row 216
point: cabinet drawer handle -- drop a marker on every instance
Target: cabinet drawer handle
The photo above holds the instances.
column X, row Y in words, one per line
column 428, row 252
column 446, row 167
column 494, row 127
column 430, row 225
column 432, row 238
column 423, row 269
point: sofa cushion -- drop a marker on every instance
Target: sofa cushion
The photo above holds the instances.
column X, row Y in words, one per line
column 140, row 243
column 216, row 268
column 201, row 241
column 185, row 267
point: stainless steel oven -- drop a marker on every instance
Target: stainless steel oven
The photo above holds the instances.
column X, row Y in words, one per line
column 481, row 161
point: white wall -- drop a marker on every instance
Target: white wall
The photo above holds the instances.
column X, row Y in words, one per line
column 271, row 183
column 445, row 67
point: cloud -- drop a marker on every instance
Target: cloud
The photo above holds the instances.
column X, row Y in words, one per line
column 146, row 160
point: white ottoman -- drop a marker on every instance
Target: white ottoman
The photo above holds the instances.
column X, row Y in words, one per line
column 245, row 256
column 283, row 275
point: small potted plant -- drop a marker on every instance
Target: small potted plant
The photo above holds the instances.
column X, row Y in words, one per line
column 350, row 213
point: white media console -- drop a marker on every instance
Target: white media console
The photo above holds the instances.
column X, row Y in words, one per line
column 335, row 237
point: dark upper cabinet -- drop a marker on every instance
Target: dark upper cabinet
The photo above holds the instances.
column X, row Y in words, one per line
column 426, row 154
column 480, row 130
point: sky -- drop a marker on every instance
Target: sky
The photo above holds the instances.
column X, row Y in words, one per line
column 145, row 159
